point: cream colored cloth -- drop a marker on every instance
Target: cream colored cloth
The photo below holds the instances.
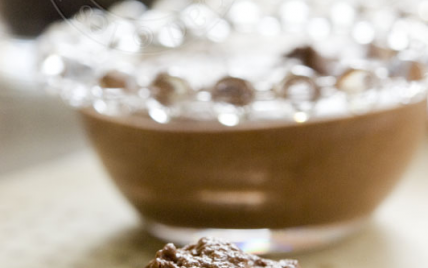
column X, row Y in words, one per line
column 67, row 213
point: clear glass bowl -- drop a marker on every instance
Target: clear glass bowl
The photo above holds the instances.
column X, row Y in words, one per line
column 280, row 126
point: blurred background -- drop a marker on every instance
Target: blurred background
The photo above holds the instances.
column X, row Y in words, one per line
column 34, row 127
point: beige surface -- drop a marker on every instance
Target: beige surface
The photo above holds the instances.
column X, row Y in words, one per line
column 34, row 127
column 66, row 213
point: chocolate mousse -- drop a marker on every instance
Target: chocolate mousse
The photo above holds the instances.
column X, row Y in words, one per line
column 267, row 175
column 213, row 253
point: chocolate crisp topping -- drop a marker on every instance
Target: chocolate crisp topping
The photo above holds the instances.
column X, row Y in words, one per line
column 212, row 253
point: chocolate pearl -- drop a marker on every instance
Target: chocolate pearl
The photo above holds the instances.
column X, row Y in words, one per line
column 168, row 89
column 234, row 91
column 117, row 79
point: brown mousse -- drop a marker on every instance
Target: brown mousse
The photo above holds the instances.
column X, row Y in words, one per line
column 258, row 175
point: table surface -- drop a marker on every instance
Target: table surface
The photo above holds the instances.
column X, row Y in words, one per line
column 66, row 213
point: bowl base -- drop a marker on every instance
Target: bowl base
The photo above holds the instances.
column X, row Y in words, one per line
column 263, row 241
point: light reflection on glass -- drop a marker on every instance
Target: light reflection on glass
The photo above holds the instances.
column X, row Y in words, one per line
column 233, row 197
column 294, row 11
column 398, row 40
column 171, row 35
column 53, row 65
column 219, row 31
column 319, row 28
column 269, row 26
column 244, row 14
column 229, row 119
column 342, row 14
column 423, row 10
column 159, row 115
column 363, row 32
column 301, row 117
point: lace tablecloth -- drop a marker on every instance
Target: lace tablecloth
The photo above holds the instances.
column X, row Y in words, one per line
column 67, row 214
